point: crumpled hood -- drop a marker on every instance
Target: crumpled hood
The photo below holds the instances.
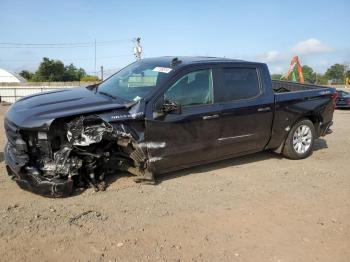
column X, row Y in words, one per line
column 39, row 110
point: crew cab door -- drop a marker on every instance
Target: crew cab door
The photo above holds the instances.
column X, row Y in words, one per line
column 247, row 105
column 183, row 138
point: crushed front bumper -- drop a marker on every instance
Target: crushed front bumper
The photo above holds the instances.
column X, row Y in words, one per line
column 33, row 182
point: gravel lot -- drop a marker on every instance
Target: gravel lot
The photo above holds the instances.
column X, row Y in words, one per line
column 254, row 208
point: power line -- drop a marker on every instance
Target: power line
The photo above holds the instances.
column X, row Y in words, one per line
column 65, row 59
column 57, row 45
column 76, row 43
column 93, row 44
column 42, row 44
column 46, row 47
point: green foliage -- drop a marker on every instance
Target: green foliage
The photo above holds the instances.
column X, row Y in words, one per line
column 89, row 78
column 321, row 79
column 309, row 74
column 50, row 71
column 26, row 75
column 55, row 71
column 276, row 76
column 73, row 74
column 336, row 73
column 347, row 74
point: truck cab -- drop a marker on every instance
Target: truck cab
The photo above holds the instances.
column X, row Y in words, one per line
column 213, row 119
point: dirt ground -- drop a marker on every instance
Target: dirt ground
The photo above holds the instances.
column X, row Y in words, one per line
column 255, row 208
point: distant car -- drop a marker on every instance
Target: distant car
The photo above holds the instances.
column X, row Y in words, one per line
column 343, row 100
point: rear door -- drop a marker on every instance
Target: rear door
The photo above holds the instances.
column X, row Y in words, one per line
column 247, row 110
column 181, row 139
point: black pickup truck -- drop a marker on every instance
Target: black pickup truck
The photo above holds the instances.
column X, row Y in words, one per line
column 159, row 115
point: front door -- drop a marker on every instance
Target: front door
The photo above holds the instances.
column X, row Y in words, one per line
column 180, row 139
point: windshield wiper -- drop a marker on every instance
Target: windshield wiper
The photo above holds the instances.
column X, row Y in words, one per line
column 107, row 94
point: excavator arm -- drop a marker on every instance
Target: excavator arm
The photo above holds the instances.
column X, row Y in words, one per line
column 294, row 66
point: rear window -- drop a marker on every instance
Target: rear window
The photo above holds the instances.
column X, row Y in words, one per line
column 238, row 84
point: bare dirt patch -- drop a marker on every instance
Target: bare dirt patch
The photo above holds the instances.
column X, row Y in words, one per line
column 255, row 208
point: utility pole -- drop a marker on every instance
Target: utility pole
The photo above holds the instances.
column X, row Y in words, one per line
column 95, row 59
column 138, row 49
column 101, row 73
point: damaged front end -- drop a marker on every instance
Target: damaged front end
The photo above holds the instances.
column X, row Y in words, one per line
column 75, row 153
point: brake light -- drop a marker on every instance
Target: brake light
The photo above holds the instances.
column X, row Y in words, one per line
column 348, row 101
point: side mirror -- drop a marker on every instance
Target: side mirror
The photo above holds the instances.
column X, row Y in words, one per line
column 171, row 107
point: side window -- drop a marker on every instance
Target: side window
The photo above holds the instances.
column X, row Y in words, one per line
column 194, row 88
column 238, row 83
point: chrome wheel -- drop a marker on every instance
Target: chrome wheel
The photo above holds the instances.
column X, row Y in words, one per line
column 302, row 139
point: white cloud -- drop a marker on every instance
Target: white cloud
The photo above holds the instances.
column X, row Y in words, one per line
column 276, row 69
column 311, row 46
column 311, row 52
column 271, row 56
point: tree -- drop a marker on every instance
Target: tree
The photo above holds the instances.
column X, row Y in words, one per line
column 54, row 70
column 276, row 76
column 50, row 70
column 336, row 73
column 26, row 74
column 73, row 74
column 309, row 74
column 347, row 74
column 321, row 79
column 89, row 78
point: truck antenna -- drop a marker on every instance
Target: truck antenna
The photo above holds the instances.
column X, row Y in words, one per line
column 138, row 49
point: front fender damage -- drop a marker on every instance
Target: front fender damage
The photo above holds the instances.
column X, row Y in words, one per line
column 79, row 153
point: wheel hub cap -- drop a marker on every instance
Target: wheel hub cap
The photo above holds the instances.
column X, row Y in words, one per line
column 302, row 139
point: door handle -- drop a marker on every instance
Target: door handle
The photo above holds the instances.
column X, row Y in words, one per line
column 210, row 117
column 264, row 109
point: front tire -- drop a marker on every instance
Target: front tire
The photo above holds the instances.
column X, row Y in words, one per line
column 300, row 140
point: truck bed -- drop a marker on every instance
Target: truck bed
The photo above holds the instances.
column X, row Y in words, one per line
column 293, row 100
column 280, row 86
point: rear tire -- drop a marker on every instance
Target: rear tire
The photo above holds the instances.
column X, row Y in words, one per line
column 300, row 140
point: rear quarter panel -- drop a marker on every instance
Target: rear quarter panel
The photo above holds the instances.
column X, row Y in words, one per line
column 317, row 105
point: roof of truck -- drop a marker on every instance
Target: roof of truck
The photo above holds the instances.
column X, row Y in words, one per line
column 186, row 60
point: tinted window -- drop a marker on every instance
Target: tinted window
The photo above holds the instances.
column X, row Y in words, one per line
column 238, row 83
column 342, row 94
column 194, row 88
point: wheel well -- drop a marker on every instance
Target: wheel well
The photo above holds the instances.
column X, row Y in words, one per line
column 314, row 119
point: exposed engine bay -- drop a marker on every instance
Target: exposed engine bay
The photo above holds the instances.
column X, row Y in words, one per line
column 78, row 152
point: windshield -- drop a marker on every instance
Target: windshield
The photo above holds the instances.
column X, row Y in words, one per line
column 135, row 81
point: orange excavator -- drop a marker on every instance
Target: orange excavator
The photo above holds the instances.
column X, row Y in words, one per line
column 293, row 67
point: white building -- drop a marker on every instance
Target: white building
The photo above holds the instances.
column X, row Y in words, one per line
column 8, row 77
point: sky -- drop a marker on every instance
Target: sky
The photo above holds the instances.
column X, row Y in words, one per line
column 265, row 31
